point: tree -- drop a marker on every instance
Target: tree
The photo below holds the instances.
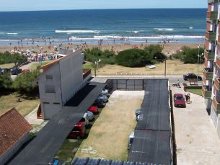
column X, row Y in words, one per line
column 15, row 58
column 5, row 81
column 26, row 83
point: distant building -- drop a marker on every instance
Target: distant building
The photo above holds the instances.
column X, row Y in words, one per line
column 211, row 73
column 14, row 132
column 60, row 80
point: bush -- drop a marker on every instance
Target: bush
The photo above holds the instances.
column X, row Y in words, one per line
column 26, row 82
column 155, row 52
column 94, row 54
column 5, row 81
column 189, row 55
column 15, row 58
column 133, row 58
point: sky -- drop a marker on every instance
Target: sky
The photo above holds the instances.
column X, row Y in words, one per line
column 33, row 5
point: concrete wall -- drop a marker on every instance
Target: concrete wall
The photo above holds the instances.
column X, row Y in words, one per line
column 65, row 78
column 71, row 75
column 51, row 103
column 4, row 158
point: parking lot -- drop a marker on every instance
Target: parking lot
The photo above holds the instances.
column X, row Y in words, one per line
column 108, row 137
column 196, row 138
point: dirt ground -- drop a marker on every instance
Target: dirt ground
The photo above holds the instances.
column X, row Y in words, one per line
column 108, row 137
column 196, row 137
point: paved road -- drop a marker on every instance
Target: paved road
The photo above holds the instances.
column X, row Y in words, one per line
column 42, row 149
column 196, row 137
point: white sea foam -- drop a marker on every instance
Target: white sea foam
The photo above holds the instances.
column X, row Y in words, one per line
column 164, row 29
column 12, row 33
column 76, row 31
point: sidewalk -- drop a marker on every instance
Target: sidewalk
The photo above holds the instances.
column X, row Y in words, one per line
column 196, row 138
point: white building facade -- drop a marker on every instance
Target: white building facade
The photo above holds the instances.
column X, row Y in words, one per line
column 59, row 81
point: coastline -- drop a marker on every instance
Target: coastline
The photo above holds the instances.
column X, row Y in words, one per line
column 169, row 48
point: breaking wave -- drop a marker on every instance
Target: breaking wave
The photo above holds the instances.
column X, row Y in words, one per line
column 76, row 31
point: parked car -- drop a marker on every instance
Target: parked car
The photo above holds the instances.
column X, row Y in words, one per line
column 99, row 103
column 15, row 71
column 89, row 116
column 105, row 92
column 94, row 109
column 188, row 76
column 102, row 97
column 78, row 131
column 139, row 115
column 179, row 100
column 130, row 140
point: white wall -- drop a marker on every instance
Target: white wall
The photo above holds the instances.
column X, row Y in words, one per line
column 71, row 75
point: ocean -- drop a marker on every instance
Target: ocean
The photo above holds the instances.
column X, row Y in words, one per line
column 110, row 26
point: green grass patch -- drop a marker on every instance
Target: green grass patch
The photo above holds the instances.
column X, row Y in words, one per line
column 9, row 65
column 68, row 150
column 195, row 91
column 88, row 65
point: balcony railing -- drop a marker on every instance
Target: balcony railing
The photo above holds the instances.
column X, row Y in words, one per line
column 212, row 1
column 209, row 55
column 208, row 73
column 211, row 36
column 206, row 92
column 216, row 105
column 217, row 83
column 212, row 15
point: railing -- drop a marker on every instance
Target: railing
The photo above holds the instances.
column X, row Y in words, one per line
column 212, row 15
column 209, row 55
column 211, row 36
column 213, row 1
column 206, row 91
column 208, row 73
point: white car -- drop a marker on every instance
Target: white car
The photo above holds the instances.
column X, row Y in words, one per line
column 89, row 116
column 103, row 98
column 105, row 92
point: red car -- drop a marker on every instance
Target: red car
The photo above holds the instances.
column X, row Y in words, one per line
column 94, row 109
column 78, row 131
column 179, row 100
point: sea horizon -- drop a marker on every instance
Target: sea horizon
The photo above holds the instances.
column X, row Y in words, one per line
column 111, row 26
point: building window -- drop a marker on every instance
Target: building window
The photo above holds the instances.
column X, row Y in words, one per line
column 49, row 77
column 56, row 103
column 49, row 89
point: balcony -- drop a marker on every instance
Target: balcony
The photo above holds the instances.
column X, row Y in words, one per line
column 217, row 83
column 208, row 73
column 211, row 36
column 206, row 92
column 212, row 15
column 216, row 105
column 209, row 55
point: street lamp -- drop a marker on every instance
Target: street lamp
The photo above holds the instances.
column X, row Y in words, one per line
column 96, row 65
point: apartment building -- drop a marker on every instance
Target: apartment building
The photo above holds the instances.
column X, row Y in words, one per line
column 60, row 80
column 211, row 73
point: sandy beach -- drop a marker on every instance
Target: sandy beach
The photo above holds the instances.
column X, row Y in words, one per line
column 169, row 48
